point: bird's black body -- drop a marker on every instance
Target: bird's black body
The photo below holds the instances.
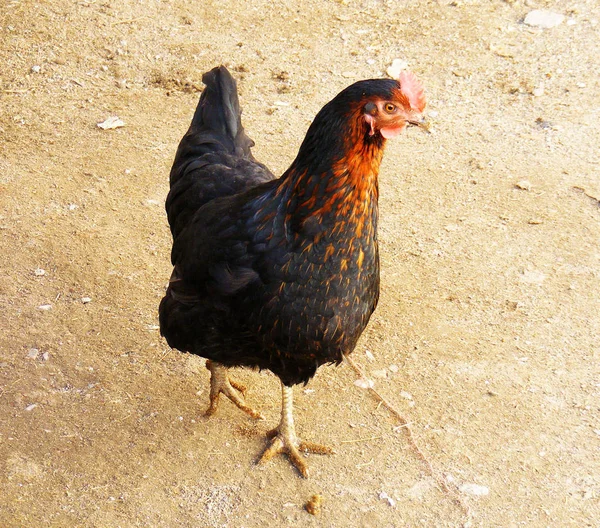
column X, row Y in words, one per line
column 281, row 274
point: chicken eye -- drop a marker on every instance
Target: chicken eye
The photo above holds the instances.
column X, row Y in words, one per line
column 390, row 108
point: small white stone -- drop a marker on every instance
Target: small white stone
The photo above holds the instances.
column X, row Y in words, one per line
column 539, row 91
column 86, row 300
column 524, row 185
column 33, row 353
column 36, row 69
column 474, row 489
column 394, row 368
column 406, row 395
column 111, row 122
column 369, row 355
column 364, row 383
column 379, row 373
column 45, row 307
column 533, row 277
column 396, row 67
column 31, row 407
column 384, row 496
column 39, row 272
column 543, row 19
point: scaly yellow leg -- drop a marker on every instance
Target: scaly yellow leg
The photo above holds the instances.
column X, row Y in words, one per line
column 284, row 439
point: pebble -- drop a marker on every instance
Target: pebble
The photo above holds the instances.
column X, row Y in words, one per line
column 406, row 395
column 524, row 185
column 110, row 123
column 364, row 383
column 46, row 356
column 543, row 19
column 45, row 307
column 394, row 368
column 379, row 373
column 36, row 69
column 369, row 355
column 33, row 353
column 86, row 300
column 533, row 277
column 39, row 272
column 31, row 407
column 313, row 506
column 474, row 489
column 539, row 91
column 502, row 51
column 384, row 496
column 396, row 67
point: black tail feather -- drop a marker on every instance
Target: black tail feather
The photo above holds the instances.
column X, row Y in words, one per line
column 216, row 125
column 214, row 157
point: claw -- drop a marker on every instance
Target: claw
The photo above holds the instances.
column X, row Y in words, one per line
column 279, row 444
column 220, row 383
column 284, row 440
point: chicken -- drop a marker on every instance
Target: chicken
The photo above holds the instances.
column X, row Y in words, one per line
column 279, row 274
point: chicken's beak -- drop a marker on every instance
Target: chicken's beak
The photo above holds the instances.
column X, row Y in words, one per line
column 422, row 122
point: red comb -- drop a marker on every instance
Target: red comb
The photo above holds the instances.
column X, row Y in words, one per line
column 413, row 90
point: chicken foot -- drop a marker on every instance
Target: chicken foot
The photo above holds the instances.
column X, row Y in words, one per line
column 220, row 382
column 284, row 439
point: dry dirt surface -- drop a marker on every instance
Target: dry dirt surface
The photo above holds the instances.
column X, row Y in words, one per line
column 487, row 337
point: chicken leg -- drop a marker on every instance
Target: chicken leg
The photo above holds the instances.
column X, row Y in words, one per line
column 221, row 383
column 284, row 439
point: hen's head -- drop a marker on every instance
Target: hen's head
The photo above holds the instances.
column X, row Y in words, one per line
column 366, row 113
column 387, row 106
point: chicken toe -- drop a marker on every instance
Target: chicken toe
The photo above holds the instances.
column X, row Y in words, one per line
column 235, row 391
column 284, row 439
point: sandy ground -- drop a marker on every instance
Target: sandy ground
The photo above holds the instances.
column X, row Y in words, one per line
column 487, row 335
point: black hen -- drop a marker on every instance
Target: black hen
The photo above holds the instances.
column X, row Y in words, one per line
column 281, row 274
